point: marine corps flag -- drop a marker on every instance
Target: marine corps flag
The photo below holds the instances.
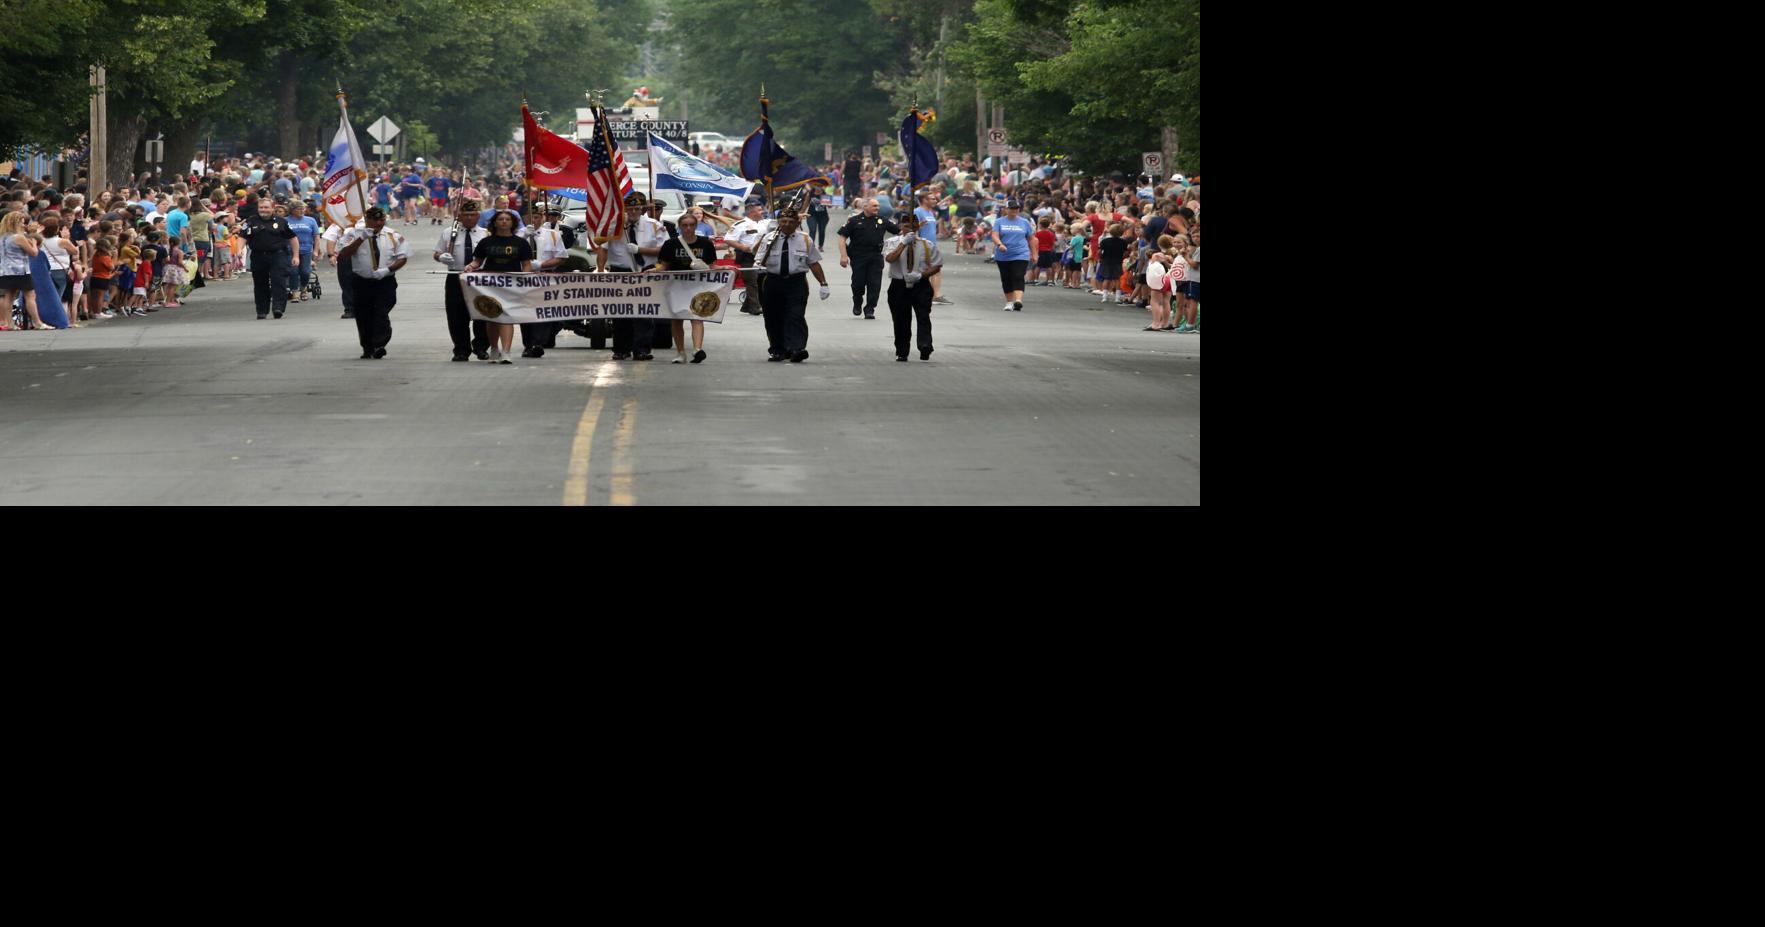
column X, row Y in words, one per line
column 764, row 160
column 553, row 161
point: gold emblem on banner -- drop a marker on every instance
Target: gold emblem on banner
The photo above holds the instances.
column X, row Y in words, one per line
column 705, row 305
column 488, row 307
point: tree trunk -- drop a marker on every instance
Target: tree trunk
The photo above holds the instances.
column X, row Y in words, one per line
column 288, row 98
column 183, row 144
column 125, row 144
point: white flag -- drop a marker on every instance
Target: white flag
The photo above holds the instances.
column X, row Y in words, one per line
column 344, row 198
column 675, row 169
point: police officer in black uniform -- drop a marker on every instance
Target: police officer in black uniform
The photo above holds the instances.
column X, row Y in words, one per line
column 861, row 243
column 274, row 250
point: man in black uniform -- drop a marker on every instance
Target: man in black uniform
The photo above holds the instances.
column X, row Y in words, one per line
column 274, row 250
column 865, row 234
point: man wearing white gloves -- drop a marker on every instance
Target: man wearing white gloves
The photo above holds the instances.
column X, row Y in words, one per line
column 784, row 255
column 375, row 253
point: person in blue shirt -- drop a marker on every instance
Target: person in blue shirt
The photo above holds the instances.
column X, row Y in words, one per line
column 1014, row 244
column 306, row 229
column 178, row 220
column 438, row 185
column 410, row 190
column 383, row 195
column 927, row 214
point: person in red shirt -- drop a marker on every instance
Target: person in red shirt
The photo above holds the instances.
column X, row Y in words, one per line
column 1045, row 253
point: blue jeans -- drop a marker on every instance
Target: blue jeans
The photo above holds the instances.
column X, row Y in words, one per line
column 298, row 277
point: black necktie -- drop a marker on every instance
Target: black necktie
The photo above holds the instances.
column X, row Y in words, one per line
column 785, row 269
column 374, row 247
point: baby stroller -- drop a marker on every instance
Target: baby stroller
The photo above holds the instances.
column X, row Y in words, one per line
column 312, row 287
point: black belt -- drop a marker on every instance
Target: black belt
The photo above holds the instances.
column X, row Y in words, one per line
column 620, row 270
column 785, row 276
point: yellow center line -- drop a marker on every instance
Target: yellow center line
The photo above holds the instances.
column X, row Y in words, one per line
column 622, row 468
column 576, row 487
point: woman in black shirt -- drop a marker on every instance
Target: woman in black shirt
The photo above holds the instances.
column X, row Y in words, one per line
column 505, row 251
column 688, row 251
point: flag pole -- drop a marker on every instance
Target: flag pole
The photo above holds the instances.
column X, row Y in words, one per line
column 765, row 168
column 355, row 155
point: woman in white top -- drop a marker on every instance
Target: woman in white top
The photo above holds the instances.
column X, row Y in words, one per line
column 18, row 244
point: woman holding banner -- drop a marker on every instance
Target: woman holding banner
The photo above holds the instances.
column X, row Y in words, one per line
column 505, row 251
column 689, row 251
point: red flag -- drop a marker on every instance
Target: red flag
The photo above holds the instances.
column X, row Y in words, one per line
column 553, row 161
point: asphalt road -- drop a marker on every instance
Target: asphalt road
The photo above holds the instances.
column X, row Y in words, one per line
column 1067, row 402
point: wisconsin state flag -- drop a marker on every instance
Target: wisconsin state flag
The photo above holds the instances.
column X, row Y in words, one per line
column 553, row 161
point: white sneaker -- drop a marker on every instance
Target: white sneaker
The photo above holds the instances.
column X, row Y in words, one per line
column 679, row 358
column 1007, row 307
column 496, row 355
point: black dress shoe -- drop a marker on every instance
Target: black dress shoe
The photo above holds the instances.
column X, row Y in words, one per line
column 871, row 317
column 775, row 358
column 620, row 357
column 901, row 357
column 348, row 315
column 367, row 355
column 529, row 352
column 643, row 357
column 925, row 353
column 698, row 357
column 484, row 355
column 379, row 353
column 262, row 317
column 799, row 357
column 857, row 311
column 278, row 315
column 462, row 357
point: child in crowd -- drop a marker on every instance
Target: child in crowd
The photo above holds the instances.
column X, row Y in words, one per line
column 1047, row 255
column 1075, row 255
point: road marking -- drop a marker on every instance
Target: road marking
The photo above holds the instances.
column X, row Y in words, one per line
column 622, row 468
column 576, row 487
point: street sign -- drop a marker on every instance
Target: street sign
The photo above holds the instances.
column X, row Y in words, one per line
column 1152, row 162
column 155, row 152
column 996, row 143
column 1018, row 157
column 385, row 149
column 867, row 151
column 383, row 130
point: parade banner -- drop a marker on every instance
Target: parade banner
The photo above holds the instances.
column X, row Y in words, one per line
column 518, row 299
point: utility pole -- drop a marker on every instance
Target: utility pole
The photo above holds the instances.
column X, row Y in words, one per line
column 980, row 126
column 98, row 137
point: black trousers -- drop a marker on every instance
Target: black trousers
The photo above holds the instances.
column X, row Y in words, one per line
column 346, row 285
column 374, row 300
column 906, row 302
column 634, row 336
column 867, row 277
column 469, row 337
column 785, row 300
column 269, row 275
column 540, row 334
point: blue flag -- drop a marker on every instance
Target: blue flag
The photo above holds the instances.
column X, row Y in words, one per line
column 921, row 154
column 766, row 161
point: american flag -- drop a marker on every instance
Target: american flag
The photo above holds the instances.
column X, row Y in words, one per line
column 606, row 174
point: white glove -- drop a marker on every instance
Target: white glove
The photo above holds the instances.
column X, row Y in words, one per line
column 825, row 292
column 381, row 274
